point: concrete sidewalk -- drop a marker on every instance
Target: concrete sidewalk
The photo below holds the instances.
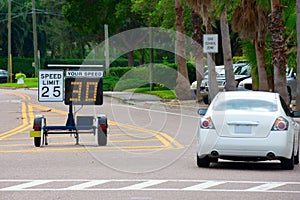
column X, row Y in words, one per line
column 141, row 98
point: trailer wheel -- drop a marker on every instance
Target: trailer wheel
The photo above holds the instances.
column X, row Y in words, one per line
column 102, row 130
column 37, row 141
column 37, row 126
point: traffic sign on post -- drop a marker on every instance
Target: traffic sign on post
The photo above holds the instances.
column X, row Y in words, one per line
column 51, row 85
column 210, row 43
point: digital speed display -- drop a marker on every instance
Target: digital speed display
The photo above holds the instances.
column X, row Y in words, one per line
column 83, row 91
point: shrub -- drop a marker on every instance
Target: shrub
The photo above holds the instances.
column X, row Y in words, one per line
column 109, row 83
column 20, row 75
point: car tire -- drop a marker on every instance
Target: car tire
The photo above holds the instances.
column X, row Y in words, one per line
column 288, row 163
column 203, row 162
column 296, row 158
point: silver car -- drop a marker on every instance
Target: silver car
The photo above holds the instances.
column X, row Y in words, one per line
column 240, row 70
column 291, row 82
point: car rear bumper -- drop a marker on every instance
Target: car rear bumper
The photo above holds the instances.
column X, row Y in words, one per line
column 280, row 144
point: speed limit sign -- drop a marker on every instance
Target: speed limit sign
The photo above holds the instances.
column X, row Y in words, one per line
column 51, row 85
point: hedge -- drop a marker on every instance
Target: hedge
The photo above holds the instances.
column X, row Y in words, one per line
column 163, row 73
column 19, row 65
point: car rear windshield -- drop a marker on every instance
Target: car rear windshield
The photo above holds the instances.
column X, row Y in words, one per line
column 246, row 104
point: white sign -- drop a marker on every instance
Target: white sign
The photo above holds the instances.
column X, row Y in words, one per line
column 74, row 73
column 210, row 43
column 51, row 85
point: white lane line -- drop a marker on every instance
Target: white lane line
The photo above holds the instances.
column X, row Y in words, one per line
column 26, row 185
column 265, row 187
column 204, row 185
column 143, row 185
column 83, row 186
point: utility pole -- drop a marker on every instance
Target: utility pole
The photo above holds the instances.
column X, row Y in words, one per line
column 151, row 59
column 35, row 45
column 9, row 63
column 106, row 49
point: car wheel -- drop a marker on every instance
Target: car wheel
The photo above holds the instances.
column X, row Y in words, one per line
column 203, row 162
column 296, row 158
column 288, row 163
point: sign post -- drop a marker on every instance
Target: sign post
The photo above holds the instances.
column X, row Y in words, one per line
column 210, row 45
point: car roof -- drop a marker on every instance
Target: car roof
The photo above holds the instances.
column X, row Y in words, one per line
column 269, row 96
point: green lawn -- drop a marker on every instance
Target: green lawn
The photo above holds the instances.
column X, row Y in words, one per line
column 162, row 92
column 28, row 83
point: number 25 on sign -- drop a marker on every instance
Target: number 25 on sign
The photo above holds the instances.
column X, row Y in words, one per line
column 51, row 85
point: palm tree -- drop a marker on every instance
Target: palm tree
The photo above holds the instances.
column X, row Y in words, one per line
column 226, row 44
column 278, row 45
column 298, row 55
column 197, row 43
column 182, row 88
column 206, row 7
column 203, row 7
column 250, row 20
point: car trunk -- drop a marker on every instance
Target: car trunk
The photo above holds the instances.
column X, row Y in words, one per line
column 237, row 124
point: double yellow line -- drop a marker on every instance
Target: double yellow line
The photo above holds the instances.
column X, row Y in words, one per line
column 27, row 117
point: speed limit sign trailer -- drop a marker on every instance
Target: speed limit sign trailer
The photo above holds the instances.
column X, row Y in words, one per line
column 74, row 87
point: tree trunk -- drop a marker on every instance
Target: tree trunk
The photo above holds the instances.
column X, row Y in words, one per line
column 182, row 88
column 197, row 42
column 298, row 55
column 261, row 66
column 229, row 75
column 130, row 56
column 278, row 46
column 209, row 30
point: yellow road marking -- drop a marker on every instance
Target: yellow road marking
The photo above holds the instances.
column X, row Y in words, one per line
column 85, row 149
column 25, row 123
column 167, row 141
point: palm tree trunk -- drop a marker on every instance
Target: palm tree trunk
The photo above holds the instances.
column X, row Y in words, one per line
column 198, row 40
column 261, row 66
column 298, row 55
column 278, row 46
column 182, row 88
column 229, row 75
column 209, row 30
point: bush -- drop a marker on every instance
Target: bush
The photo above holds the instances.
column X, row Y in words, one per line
column 129, row 84
column 20, row 75
column 119, row 71
column 109, row 83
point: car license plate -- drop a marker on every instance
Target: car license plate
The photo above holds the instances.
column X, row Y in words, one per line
column 242, row 129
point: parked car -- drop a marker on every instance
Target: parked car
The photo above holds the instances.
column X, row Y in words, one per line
column 248, row 126
column 3, row 76
column 291, row 82
column 240, row 70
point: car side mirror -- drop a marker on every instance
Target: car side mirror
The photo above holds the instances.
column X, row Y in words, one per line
column 202, row 111
column 296, row 114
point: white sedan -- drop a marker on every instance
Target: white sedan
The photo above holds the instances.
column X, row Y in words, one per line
column 248, row 126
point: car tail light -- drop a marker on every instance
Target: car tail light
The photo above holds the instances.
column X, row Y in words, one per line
column 206, row 123
column 280, row 124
